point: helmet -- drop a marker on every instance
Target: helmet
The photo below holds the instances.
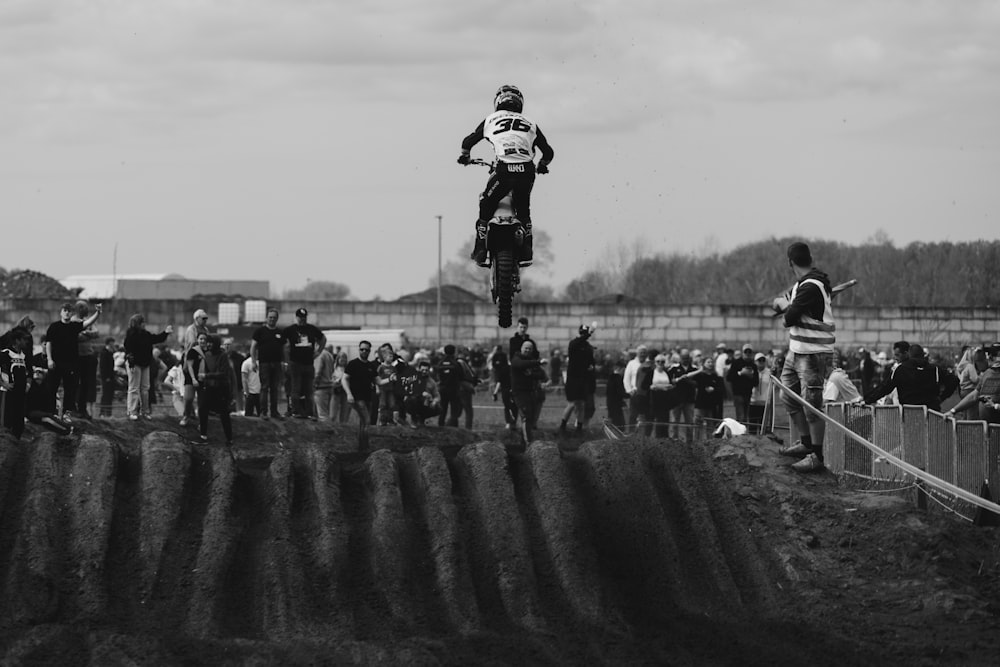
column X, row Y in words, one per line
column 508, row 98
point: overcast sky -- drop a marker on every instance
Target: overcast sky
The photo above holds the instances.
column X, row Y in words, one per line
column 295, row 140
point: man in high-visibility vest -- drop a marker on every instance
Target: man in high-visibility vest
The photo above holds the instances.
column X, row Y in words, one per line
column 808, row 317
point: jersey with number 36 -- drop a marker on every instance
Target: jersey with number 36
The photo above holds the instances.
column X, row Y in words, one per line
column 512, row 135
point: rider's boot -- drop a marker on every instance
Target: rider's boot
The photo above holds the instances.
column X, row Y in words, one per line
column 525, row 255
column 479, row 251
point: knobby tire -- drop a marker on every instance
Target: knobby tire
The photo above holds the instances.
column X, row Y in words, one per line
column 505, row 267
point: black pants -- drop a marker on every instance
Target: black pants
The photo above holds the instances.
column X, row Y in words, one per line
column 451, row 403
column 518, row 180
column 12, row 411
column 66, row 373
column 215, row 399
column 107, row 396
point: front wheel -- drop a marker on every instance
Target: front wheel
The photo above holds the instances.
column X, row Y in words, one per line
column 505, row 267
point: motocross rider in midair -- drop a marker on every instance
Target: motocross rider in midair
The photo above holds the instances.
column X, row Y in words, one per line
column 514, row 138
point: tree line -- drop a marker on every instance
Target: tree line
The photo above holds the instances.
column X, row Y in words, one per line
column 919, row 274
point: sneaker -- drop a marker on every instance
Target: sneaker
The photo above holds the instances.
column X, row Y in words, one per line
column 266, row 417
column 148, row 417
column 203, row 438
column 134, row 418
column 810, row 463
column 798, row 449
column 184, row 421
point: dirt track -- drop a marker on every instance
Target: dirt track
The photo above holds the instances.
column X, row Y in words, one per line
column 128, row 543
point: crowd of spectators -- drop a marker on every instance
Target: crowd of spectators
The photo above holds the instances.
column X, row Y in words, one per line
column 290, row 372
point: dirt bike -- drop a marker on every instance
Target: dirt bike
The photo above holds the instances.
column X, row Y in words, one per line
column 504, row 237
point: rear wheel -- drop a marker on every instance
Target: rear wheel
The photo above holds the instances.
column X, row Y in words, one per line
column 505, row 266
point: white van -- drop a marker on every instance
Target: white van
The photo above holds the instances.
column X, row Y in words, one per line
column 347, row 339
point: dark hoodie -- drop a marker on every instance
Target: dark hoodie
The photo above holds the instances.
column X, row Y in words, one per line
column 917, row 382
column 808, row 299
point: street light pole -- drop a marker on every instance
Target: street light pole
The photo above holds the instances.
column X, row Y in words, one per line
column 439, row 280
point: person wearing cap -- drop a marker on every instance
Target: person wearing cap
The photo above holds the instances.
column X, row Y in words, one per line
column 917, row 382
column 808, row 316
column 580, row 379
column 759, row 395
column 305, row 342
column 742, row 377
column 987, row 391
column 190, row 340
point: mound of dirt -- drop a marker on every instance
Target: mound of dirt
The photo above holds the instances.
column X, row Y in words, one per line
column 33, row 285
column 129, row 543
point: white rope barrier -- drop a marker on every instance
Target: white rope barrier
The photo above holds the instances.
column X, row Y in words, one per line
column 947, row 487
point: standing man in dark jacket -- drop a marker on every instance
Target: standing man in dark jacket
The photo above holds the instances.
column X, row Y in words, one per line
column 811, row 337
column 742, row 377
column 579, row 378
column 449, row 378
column 917, row 382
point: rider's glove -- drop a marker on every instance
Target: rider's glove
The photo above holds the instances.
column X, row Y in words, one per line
column 464, row 158
column 543, row 168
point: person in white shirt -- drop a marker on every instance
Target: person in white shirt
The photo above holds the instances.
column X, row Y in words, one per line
column 251, row 387
column 628, row 381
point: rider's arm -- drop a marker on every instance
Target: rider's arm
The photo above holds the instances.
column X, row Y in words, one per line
column 473, row 139
column 542, row 144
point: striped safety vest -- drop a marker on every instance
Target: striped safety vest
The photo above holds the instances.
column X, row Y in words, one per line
column 810, row 335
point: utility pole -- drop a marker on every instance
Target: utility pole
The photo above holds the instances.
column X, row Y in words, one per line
column 439, row 280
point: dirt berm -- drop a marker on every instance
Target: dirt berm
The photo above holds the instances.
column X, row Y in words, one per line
column 127, row 544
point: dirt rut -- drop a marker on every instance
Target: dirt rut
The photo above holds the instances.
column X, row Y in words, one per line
column 181, row 552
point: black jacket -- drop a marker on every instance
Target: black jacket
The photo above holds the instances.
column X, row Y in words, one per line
column 917, row 382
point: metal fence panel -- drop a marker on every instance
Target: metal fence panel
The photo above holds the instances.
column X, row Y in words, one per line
column 941, row 448
column 833, row 442
column 858, row 458
column 915, row 435
column 993, row 460
column 970, row 455
column 888, row 434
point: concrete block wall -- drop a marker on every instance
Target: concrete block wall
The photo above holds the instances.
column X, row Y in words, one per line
column 619, row 326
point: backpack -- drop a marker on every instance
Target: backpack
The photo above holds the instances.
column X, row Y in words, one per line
column 449, row 373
